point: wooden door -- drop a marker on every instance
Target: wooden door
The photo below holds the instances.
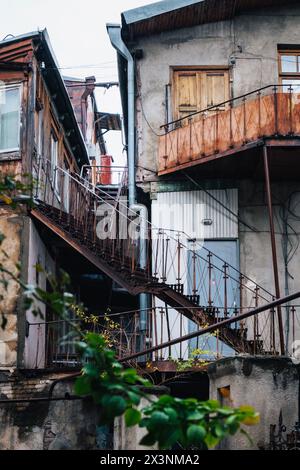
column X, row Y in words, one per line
column 187, row 93
column 216, row 89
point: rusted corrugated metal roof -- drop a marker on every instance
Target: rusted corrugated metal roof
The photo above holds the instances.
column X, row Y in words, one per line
column 174, row 14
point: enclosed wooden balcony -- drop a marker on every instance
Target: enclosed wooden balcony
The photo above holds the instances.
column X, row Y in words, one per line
column 269, row 115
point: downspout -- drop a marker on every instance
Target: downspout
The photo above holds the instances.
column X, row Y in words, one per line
column 114, row 32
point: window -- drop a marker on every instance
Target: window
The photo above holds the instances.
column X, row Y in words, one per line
column 289, row 69
column 9, row 118
column 66, row 185
column 196, row 90
column 40, row 137
column 54, row 161
column 224, row 396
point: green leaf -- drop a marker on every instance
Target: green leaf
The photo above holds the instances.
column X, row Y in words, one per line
column 114, row 405
column 225, row 411
column 173, row 437
column 134, row 397
column 157, row 420
column 132, row 417
column 148, row 440
column 165, row 400
column 131, row 376
column 233, row 428
column 82, row 386
column 231, row 419
column 211, row 441
column 91, row 370
column 195, row 434
column 195, row 415
column 219, row 430
column 171, row 413
column 213, row 404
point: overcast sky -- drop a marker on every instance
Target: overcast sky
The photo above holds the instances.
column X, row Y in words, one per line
column 79, row 39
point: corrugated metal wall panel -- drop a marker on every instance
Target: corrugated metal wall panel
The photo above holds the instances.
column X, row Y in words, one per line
column 187, row 210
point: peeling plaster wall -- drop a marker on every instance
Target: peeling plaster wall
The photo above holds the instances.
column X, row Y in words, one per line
column 269, row 384
column 129, row 438
column 22, row 245
column 56, row 425
column 255, row 246
column 10, row 251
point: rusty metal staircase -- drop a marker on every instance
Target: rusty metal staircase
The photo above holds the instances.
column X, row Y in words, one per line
column 77, row 224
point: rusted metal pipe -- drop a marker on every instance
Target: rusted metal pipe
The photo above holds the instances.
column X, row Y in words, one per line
column 273, row 244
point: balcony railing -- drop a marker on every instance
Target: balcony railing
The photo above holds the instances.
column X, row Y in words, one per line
column 53, row 344
column 270, row 111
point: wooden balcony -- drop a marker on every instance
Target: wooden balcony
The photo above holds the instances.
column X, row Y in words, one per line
column 271, row 113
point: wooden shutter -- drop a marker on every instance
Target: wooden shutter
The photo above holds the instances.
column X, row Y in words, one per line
column 215, row 88
column 195, row 90
column 186, row 93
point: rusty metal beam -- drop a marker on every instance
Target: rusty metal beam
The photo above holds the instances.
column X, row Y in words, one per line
column 216, row 326
column 273, row 244
column 214, row 157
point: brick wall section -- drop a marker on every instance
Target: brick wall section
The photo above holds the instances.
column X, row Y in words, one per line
column 29, row 384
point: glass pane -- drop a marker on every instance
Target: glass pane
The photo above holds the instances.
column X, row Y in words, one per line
column 289, row 63
column 294, row 83
column 9, row 119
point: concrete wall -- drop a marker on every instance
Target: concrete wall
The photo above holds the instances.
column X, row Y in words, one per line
column 271, row 385
column 130, row 438
column 249, row 41
column 255, row 246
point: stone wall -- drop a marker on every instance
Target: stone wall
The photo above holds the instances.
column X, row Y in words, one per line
column 10, row 251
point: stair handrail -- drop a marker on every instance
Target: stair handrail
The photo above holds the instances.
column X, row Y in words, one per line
column 194, row 240
column 88, row 186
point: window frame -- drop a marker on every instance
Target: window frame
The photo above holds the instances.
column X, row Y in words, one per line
column 288, row 75
column 14, row 86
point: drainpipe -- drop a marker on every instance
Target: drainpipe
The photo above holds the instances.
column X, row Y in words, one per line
column 143, row 299
column 114, row 32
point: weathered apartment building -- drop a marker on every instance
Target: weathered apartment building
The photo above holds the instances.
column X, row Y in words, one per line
column 210, row 93
column 211, row 125
column 51, row 130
